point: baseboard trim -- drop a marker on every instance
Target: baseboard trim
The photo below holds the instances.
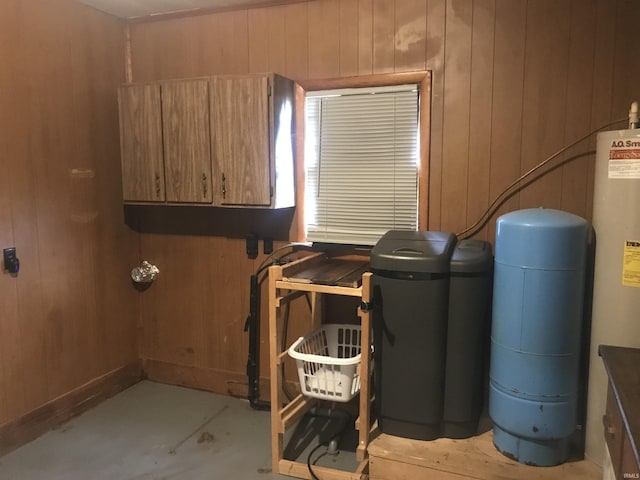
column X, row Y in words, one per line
column 210, row 379
column 17, row 432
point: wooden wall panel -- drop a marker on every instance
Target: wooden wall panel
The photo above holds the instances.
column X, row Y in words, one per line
column 365, row 37
column 410, row 35
column 258, row 41
column 266, row 40
column 436, row 15
column 324, row 39
column 602, row 77
column 348, row 38
column 48, row 219
column 506, row 115
column 296, row 41
column 455, row 128
column 231, row 57
column 20, row 231
column 71, row 313
column 193, row 46
column 383, row 36
column 481, row 100
column 277, row 42
column 575, row 184
column 179, row 340
column 545, row 85
column 626, row 66
column 509, row 78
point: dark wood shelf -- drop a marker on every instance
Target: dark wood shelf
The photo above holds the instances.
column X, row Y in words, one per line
column 623, row 368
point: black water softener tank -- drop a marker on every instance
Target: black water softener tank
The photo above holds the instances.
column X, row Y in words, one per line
column 411, row 296
column 470, row 285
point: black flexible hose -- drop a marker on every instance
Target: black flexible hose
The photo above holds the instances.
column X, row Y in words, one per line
column 311, row 472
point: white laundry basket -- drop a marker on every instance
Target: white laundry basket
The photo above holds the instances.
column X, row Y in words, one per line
column 327, row 360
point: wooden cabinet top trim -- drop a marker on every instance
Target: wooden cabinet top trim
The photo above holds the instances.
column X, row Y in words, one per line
column 195, row 79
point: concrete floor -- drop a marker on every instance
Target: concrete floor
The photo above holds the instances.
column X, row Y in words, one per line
column 153, row 431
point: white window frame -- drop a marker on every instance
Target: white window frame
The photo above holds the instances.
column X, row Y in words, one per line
column 422, row 79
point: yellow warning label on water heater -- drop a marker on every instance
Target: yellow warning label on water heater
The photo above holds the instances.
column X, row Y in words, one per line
column 631, row 264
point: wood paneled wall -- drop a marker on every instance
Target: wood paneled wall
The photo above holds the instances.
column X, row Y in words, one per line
column 70, row 315
column 513, row 81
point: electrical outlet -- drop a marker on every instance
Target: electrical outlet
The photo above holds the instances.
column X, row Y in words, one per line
column 11, row 262
column 267, row 245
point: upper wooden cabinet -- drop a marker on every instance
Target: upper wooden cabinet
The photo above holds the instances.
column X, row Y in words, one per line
column 185, row 127
column 224, row 141
column 164, row 139
column 141, row 143
column 240, row 140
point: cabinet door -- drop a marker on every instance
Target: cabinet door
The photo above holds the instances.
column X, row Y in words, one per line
column 141, row 143
column 240, row 140
column 185, row 125
column 629, row 467
column 613, row 430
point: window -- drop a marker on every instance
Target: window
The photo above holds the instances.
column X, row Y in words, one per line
column 361, row 163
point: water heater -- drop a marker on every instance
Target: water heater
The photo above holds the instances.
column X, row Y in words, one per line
column 616, row 291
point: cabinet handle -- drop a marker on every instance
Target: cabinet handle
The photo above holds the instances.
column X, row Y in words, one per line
column 609, row 429
column 204, row 185
column 157, row 185
column 224, row 186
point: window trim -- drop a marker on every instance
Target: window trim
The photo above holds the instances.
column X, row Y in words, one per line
column 421, row 78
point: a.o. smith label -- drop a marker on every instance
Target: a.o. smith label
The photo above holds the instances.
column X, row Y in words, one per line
column 624, row 159
column 631, row 264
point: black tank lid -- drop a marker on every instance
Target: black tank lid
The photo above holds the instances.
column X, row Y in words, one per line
column 411, row 251
column 472, row 256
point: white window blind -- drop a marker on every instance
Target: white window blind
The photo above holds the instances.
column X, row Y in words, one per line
column 361, row 163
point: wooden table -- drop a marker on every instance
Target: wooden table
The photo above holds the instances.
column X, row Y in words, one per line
column 622, row 415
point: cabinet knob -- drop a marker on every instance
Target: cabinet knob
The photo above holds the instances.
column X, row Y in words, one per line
column 157, row 185
column 224, row 186
column 204, row 185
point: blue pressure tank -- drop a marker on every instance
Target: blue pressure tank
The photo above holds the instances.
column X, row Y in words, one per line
column 539, row 277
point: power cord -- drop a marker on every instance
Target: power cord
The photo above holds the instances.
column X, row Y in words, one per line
column 314, row 450
column 267, row 262
column 332, row 447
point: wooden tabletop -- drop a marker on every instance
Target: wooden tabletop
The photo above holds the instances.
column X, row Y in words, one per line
column 333, row 271
column 623, row 368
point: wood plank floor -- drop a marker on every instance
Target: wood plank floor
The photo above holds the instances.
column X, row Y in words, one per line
column 394, row 458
